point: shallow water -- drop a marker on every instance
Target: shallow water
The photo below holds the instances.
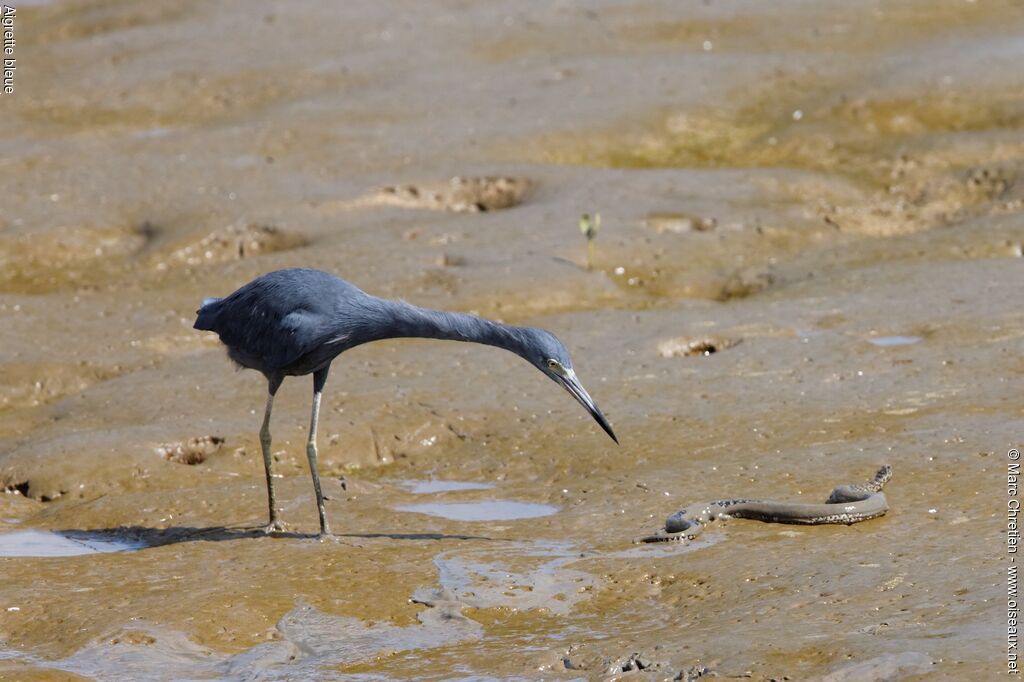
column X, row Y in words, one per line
column 487, row 510
column 895, row 340
column 795, row 184
column 35, row 543
column 430, row 487
column 309, row 644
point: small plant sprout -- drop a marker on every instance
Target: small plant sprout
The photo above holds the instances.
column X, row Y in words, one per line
column 589, row 226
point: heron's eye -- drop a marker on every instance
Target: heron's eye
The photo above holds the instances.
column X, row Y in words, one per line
column 554, row 364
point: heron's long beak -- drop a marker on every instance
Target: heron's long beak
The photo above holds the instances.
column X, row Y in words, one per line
column 573, row 385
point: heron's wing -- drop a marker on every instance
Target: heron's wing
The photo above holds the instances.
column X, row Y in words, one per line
column 271, row 338
column 300, row 332
column 275, row 320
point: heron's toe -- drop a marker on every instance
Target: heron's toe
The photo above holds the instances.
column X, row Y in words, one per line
column 346, row 541
column 275, row 528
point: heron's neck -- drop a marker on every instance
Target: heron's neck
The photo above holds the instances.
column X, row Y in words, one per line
column 407, row 320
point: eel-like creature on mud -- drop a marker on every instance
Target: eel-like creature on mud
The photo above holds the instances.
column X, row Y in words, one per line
column 847, row 504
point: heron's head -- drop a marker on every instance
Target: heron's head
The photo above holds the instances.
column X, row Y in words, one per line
column 545, row 352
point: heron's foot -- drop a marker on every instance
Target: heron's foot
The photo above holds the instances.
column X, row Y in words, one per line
column 339, row 540
column 275, row 527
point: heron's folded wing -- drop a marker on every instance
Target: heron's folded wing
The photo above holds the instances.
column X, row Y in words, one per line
column 300, row 332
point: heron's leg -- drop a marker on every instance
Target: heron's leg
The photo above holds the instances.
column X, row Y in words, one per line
column 319, row 379
column 275, row 525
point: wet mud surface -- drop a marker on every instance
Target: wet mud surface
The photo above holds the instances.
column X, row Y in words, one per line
column 462, row 195
column 809, row 264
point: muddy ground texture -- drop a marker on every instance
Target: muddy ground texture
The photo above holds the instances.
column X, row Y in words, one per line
column 807, row 266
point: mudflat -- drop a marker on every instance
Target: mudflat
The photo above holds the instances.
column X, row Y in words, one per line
column 808, row 266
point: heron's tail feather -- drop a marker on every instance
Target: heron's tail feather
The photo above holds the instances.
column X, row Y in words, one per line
column 206, row 316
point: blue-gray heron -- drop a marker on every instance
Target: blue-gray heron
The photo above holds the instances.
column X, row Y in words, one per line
column 295, row 322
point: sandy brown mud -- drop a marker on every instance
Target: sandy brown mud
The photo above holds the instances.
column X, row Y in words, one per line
column 810, row 183
column 459, row 194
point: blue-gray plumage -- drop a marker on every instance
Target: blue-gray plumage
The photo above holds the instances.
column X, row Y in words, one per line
column 295, row 322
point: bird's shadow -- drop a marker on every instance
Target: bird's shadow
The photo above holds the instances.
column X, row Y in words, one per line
column 143, row 537
column 415, row 536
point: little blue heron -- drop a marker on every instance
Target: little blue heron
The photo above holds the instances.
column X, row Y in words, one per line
column 295, row 322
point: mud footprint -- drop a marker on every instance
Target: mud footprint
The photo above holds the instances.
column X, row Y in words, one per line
column 66, row 258
column 233, row 242
column 459, row 194
column 694, row 346
column 192, row 451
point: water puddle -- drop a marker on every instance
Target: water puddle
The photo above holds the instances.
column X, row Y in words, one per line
column 427, row 487
column 544, row 575
column 152, row 133
column 41, row 543
column 525, row 576
column 894, row 340
column 311, row 644
column 487, row 510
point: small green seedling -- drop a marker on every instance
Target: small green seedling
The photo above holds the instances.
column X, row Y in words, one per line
column 589, row 227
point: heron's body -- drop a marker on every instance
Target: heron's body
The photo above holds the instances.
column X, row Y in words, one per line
column 287, row 323
column 296, row 322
